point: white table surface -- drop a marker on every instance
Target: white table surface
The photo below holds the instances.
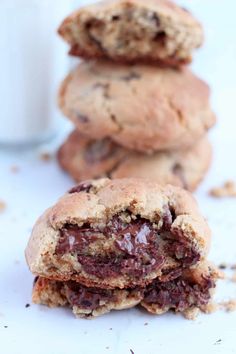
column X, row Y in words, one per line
column 38, row 184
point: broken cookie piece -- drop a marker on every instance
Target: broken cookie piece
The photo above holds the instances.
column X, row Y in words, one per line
column 156, row 31
column 190, row 291
column 84, row 158
column 85, row 302
column 118, row 234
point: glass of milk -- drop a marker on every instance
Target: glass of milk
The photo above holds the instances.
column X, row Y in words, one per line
column 33, row 61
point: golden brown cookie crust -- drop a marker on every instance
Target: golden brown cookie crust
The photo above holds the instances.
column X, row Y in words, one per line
column 133, row 31
column 84, row 158
column 145, row 108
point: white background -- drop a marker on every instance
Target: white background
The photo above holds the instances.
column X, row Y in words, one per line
column 38, row 184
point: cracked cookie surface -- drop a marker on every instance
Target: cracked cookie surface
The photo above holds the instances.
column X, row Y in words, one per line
column 145, row 108
column 84, row 158
column 118, row 234
column 133, row 31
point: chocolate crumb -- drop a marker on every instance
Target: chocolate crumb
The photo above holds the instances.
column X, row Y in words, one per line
column 14, row 169
column 110, row 329
column 107, row 347
column 131, row 351
column 218, row 341
column 222, row 265
column 146, row 323
column 27, row 305
column 227, row 190
column 5, row 326
column 2, row 206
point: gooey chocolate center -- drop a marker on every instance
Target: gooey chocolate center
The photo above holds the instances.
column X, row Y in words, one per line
column 179, row 293
column 138, row 247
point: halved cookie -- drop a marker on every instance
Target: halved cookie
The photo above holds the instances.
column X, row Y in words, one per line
column 118, row 234
column 84, row 158
column 133, row 30
column 144, row 108
column 191, row 290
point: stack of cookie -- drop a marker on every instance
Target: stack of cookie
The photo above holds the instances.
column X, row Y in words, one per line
column 137, row 108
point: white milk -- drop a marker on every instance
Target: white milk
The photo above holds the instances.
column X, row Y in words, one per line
column 33, row 60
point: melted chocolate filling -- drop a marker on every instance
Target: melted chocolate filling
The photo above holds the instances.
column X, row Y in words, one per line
column 99, row 151
column 137, row 244
column 179, row 293
column 87, row 298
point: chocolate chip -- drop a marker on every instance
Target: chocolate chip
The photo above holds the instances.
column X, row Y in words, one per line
column 81, row 187
column 74, row 238
column 82, row 118
column 131, row 76
column 84, row 297
column 179, row 293
column 178, row 171
column 105, row 87
column 160, row 37
column 156, row 19
column 99, row 151
column 35, row 280
column 115, row 17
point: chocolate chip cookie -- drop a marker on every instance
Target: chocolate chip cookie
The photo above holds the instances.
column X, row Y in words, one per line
column 84, row 158
column 185, row 292
column 133, row 30
column 118, row 233
column 145, row 108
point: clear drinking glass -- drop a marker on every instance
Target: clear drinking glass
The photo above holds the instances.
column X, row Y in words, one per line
column 33, row 60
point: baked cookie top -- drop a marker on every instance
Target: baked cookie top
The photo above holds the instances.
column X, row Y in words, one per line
column 118, row 234
column 141, row 107
column 132, row 31
column 84, row 158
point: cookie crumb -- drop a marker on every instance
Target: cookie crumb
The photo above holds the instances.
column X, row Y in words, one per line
column 227, row 190
column 27, row 305
column 14, row 169
column 2, row 206
column 191, row 314
column 228, row 306
column 211, row 307
column 45, row 156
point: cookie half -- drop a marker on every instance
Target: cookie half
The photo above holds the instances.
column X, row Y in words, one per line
column 84, row 158
column 118, row 233
column 190, row 291
column 133, row 31
column 145, row 108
